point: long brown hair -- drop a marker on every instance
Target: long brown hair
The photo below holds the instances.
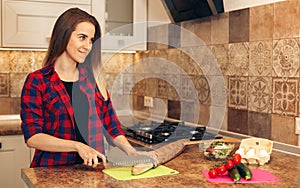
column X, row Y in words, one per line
column 63, row 28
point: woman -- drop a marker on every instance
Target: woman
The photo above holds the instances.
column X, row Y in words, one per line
column 53, row 117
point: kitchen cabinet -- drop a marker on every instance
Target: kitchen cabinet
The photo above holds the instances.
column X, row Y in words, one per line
column 28, row 23
column 123, row 24
column 0, row 22
column 14, row 155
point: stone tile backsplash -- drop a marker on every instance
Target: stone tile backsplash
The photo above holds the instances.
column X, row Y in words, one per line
column 257, row 52
column 14, row 67
column 4, row 84
column 254, row 52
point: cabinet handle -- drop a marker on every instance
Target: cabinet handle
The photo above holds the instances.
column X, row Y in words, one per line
column 0, row 145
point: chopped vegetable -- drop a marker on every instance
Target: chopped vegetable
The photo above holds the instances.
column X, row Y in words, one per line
column 218, row 150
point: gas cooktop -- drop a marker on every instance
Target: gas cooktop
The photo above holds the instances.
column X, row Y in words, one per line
column 155, row 132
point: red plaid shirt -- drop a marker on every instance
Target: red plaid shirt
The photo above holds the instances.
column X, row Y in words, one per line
column 46, row 108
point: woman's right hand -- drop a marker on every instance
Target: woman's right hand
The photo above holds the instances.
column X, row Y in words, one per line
column 90, row 155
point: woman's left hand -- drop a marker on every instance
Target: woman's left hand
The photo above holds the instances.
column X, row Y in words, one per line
column 90, row 155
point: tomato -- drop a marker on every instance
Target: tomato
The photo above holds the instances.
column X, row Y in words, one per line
column 229, row 165
column 221, row 169
column 237, row 158
column 213, row 173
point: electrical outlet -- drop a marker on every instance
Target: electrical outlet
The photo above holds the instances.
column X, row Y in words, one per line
column 148, row 101
column 297, row 125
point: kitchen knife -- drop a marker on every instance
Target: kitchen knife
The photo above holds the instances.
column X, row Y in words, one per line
column 117, row 157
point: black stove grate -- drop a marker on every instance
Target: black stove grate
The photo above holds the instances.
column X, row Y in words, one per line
column 157, row 132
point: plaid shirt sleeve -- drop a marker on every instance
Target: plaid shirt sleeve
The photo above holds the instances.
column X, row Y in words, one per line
column 31, row 107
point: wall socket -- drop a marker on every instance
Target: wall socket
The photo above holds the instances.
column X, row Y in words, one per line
column 297, row 125
column 148, row 101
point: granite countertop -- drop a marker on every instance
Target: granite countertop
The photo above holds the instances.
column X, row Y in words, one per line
column 190, row 164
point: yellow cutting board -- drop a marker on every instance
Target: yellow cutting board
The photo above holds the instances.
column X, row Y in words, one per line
column 124, row 173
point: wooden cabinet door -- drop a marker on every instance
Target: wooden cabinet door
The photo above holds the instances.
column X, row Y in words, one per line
column 14, row 155
column 29, row 24
column 125, row 36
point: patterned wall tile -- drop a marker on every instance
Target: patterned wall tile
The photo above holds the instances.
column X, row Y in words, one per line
column 283, row 129
column 161, row 64
column 186, row 88
column 39, row 58
column 260, row 94
column 239, row 26
column 220, row 29
column 139, row 59
column 16, row 83
column 114, row 83
column 155, row 62
column 286, row 59
column 285, row 96
column 175, row 56
column 140, row 85
column 197, row 65
column 203, row 61
column 127, row 63
column 238, row 89
column 259, row 124
column 238, row 57
column 4, row 62
column 113, row 63
column 4, row 84
column 286, row 19
column 260, row 58
column 202, row 87
column 23, row 61
column 218, row 90
column 221, row 55
column 162, row 86
column 174, row 87
column 261, row 29
column 151, row 86
column 129, row 83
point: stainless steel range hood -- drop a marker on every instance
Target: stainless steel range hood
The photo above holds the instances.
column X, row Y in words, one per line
column 182, row 10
